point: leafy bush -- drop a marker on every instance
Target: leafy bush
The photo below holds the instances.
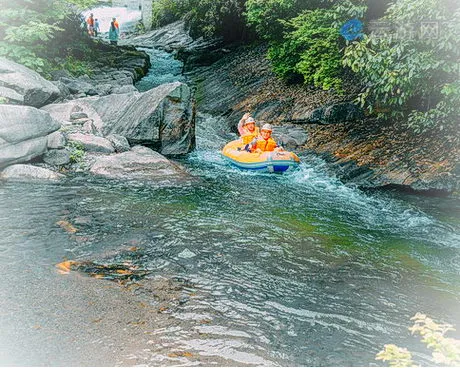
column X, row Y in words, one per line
column 311, row 49
column 166, row 11
column 77, row 152
column 28, row 29
column 445, row 350
column 267, row 16
column 408, row 74
column 311, row 46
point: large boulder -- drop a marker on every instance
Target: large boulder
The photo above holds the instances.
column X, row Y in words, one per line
column 162, row 118
column 140, row 164
column 23, row 133
column 29, row 172
column 24, row 86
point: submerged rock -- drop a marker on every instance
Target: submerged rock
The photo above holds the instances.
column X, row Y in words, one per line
column 141, row 163
column 23, row 86
column 29, row 172
column 23, row 133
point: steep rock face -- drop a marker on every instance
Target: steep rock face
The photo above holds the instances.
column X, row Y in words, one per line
column 162, row 118
column 20, row 85
column 23, row 133
column 362, row 151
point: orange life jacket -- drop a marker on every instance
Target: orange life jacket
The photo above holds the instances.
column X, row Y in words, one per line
column 266, row 145
column 248, row 136
column 90, row 21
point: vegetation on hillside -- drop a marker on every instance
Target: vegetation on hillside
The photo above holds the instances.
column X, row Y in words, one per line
column 42, row 33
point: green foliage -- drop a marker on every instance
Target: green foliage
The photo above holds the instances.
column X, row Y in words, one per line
column 311, row 46
column 28, row 28
column 77, row 152
column 445, row 350
column 76, row 67
column 267, row 16
column 397, row 357
column 166, row 11
column 204, row 18
column 403, row 67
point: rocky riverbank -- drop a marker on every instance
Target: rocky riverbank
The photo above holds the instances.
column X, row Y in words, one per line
column 359, row 149
column 94, row 124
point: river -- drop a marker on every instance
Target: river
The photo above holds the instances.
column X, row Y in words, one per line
column 292, row 269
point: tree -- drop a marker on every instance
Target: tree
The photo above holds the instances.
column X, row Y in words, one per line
column 408, row 71
column 27, row 28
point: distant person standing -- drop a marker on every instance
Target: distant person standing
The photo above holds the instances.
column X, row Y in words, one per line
column 96, row 27
column 90, row 22
column 113, row 33
column 115, row 22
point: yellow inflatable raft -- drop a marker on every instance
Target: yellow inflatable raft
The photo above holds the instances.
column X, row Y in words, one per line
column 265, row 162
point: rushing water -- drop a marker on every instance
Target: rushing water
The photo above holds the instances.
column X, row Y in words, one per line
column 292, row 269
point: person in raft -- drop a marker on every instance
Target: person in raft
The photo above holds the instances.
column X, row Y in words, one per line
column 265, row 142
column 248, row 129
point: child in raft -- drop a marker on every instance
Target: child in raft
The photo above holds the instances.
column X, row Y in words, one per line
column 247, row 129
column 265, row 142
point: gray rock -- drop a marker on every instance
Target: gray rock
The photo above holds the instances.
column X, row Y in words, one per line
column 92, row 143
column 141, row 163
column 124, row 89
column 290, row 136
column 125, row 81
column 89, row 128
column 11, row 96
column 64, row 92
column 29, row 172
column 62, row 73
column 335, row 114
column 140, row 117
column 104, row 89
column 77, row 86
column 173, row 36
column 120, row 143
column 56, row 140
column 57, row 157
column 35, row 90
column 23, row 133
column 78, row 115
